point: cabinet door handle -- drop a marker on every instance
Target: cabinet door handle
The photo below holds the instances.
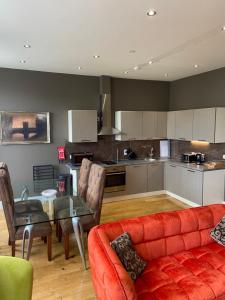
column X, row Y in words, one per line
column 192, row 171
column 172, row 166
column 202, row 140
column 85, row 140
column 183, row 139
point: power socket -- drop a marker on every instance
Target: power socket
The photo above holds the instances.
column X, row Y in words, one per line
column 125, row 152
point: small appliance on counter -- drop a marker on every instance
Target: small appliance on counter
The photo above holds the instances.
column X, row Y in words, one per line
column 131, row 154
column 189, row 157
column 76, row 158
column 200, row 158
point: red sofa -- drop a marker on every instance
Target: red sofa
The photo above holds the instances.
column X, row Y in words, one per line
column 183, row 261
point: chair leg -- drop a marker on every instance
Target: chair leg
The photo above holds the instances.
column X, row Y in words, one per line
column 59, row 232
column 13, row 245
column 78, row 231
column 30, row 243
column 49, row 246
column 9, row 242
column 66, row 245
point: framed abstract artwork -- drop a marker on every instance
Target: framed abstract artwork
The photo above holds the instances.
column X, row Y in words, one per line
column 25, row 127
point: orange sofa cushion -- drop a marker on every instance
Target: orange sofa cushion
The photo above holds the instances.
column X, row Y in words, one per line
column 181, row 256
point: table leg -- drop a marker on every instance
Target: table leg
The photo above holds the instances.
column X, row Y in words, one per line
column 78, row 231
column 27, row 230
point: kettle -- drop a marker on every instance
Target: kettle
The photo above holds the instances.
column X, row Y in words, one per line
column 131, row 154
column 200, row 158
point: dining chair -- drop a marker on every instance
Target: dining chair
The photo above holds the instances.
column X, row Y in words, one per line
column 94, row 197
column 43, row 177
column 82, row 187
column 16, row 233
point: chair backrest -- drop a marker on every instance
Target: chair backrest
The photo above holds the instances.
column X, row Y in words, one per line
column 7, row 201
column 43, row 172
column 4, row 166
column 95, row 191
column 83, row 178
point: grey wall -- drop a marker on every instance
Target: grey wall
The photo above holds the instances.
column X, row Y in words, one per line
column 38, row 91
column 203, row 90
column 131, row 94
column 57, row 93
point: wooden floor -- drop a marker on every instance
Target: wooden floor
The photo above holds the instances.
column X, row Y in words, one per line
column 61, row 279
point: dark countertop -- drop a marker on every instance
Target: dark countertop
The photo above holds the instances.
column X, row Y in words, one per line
column 208, row 166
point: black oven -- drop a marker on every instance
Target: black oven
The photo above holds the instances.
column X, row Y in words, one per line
column 115, row 179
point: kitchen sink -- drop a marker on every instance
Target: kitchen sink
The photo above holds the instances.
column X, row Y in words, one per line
column 150, row 159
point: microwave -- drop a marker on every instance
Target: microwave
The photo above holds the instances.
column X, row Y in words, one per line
column 76, row 158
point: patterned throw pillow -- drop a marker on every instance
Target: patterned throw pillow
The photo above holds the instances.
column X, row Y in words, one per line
column 218, row 233
column 128, row 256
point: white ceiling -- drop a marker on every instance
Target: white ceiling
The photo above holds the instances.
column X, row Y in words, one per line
column 65, row 34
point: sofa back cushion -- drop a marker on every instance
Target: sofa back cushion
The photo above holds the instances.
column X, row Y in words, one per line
column 167, row 233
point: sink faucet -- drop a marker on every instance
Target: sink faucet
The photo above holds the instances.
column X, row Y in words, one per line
column 151, row 154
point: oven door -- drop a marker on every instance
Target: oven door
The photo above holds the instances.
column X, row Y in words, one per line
column 115, row 181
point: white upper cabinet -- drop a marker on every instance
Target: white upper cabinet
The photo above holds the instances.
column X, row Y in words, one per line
column 130, row 125
column 161, row 125
column 82, row 126
column 171, row 125
column 220, row 125
column 184, row 124
column 204, row 124
column 149, row 124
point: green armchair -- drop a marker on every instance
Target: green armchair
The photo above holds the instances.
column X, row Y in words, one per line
column 16, row 278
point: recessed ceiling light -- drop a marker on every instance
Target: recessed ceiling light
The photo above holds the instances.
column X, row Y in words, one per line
column 136, row 68
column 27, row 46
column 223, row 28
column 96, row 56
column 151, row 13
column 195, row 66
column 150, row 62
column 125, row 72
column 132, row 51
column 166, row 74
column 22, row 61
column 79, row 67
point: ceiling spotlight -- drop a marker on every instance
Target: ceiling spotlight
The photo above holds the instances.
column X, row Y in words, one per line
column 96, row 56
column 22, row 61
column 195, row 66
column 223, row 28
column 27, row 46
column 79, row 68
column 150, row 62
column 136, row 68
column 151, row 13
column 125, row 72
column 166, row 74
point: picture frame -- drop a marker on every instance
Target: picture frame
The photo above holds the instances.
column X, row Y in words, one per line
column 24, row 127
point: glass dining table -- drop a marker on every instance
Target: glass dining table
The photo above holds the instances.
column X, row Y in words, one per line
column 57, row 202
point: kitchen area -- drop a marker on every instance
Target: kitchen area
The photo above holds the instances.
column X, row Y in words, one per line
column 152, row 152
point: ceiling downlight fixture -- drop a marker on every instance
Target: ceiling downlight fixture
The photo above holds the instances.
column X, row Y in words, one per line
column 223, row 28
column 96, row 56
column 22, row 61
column 195, row 66
column 150, row 62
column 151, row 13
column 27, row 46
column 136, row 68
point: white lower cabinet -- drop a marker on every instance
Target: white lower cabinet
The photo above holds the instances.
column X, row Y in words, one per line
column 202, row 188
column 136, row 179
column 155, row 177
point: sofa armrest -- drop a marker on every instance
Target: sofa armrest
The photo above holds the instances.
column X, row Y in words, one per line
column 110, row 279
column 16, row 278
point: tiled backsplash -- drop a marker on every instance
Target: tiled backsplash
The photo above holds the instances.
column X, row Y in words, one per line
column 212, row 151
column 107, row 146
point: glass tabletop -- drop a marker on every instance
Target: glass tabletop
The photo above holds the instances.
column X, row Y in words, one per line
column 47, row 200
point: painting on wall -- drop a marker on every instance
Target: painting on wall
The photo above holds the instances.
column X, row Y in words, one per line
column 25, row 127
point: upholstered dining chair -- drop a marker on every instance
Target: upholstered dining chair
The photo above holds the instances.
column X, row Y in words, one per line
column 82, row 187
column 16, row 233
column 94, row 197
column 22, row 206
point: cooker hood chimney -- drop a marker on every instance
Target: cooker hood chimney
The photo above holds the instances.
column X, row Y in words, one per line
column 105, row 110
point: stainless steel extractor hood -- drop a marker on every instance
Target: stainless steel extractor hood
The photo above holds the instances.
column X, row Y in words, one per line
column 105, row 116
column 105, row 110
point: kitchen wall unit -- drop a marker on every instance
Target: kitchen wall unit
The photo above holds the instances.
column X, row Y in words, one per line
column 136, row 179
column 199, row 187
column 204, row 124
column 82, row 126
column 184, row 125
column 155, row 177
column 130, row 125
column 171, row 125
column 220, row 125
column 138, row 125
